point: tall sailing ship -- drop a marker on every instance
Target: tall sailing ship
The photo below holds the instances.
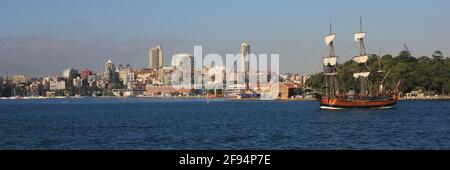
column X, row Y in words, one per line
column 365, row 97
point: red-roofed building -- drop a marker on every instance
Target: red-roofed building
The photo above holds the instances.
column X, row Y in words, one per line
column 287, row 90
column 84, row 74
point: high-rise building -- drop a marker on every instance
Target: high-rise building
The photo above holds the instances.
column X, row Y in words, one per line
column 58, row 84
column 46, row 83
column 109, row 73
column 245, row 52
column 17, row 79
column 156, row 57
column 70, row 73
column 84, row 74
column 151, row 54
column 36, row 88
column 1, row 85
column 78, row 82
column 160, row 56
column 95, row 77
column 127, row 75
column 184, row 62
column 180, row 60
column 215, row 77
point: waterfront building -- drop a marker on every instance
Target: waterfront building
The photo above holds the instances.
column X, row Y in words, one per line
column 145, row 78
column 36, row 88
column 156, row 58
column 46, row 83
column 70, row 73
column 18, row 79
column 94, row 77
column 180, row 60
column 287, row 91
column 151, row 90
column 185, row 64
column 127, row 75
column 58, row 84
column 151, row 57
column 128, row 92
column 164, row 77
column 234, row 89
column 78, row 82
column 97, row 80
column 415, row 94
column 136, row 86
column 74, row 87
column 1, row 85
column 146, row 71
column 109, row 73
column 214, row 78
column 102, row 84
column 85, row 73
column 286, row 76
column 239, row 74
column 245, row 52
column 292, row 78
column 297, row 79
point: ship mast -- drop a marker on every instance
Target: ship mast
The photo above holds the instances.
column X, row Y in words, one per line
column 380, row 73
column 363, row 71
column 330, row 65
column 379, row 61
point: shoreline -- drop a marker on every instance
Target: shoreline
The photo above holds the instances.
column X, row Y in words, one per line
column 202, row 97
column 426, row 98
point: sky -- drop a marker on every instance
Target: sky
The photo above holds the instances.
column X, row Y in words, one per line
column 41, row 38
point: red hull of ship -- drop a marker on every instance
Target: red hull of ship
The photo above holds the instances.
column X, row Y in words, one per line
column 382, row 102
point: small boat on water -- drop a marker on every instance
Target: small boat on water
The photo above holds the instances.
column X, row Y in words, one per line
column 333, row 98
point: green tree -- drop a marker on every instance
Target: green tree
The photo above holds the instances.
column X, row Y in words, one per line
column 424, row 60
column 446, row 88
column 6, row 91
column 438, row 56
column 315, row 81
column 405, row 56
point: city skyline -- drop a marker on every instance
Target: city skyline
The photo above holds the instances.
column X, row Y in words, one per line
column 42, row 38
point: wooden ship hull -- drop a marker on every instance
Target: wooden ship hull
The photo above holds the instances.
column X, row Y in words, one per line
column 371, row 103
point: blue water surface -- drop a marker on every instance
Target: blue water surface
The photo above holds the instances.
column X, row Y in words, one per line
column 218, row 124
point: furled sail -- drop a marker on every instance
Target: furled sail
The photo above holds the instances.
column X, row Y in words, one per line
column 330, row 74
column 329, row 39
column 361, row 59
column 363, row 74
column 329, row 61
column 359, row 35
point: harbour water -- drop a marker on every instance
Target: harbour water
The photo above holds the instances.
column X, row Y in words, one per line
column 218, row 124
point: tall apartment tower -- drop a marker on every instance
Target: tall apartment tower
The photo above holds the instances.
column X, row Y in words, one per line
column 245, row 52
column 156, row 57
column 109, row 72
column 151, row 58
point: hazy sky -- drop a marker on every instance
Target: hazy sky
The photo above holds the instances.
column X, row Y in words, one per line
column 43, row 37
